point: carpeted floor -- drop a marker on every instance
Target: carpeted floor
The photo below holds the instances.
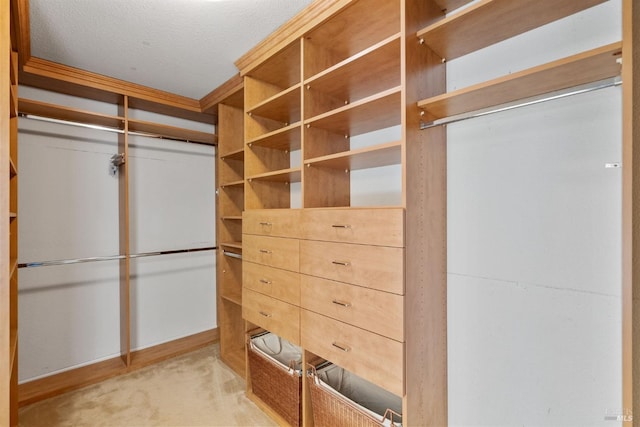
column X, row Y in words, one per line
column 196, row 389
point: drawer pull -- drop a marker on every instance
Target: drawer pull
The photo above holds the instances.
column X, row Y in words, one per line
column 265, row 251
column 341, row 303
column 266, row 224
column 265, row 281
column 341, row 226
column 341, row 347
column 265, row 314
column 343, row 263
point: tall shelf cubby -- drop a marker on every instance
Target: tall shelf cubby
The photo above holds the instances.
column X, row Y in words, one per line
column 231, row 170
column 360, row 70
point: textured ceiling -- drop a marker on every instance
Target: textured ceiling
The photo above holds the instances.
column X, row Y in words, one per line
column 186, row 47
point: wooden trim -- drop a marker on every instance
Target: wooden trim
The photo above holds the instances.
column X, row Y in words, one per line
column 35, row 391
column 225, row 90
column 21, row 33
column 630, row 211
column 293, row 29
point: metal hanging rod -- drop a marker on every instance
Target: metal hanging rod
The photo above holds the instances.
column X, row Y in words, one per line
column 576, row 90
column 111, row 258
column 105, row 128
column 232, row 254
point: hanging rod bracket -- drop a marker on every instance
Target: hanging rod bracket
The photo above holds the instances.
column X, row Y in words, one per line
column 115, row 162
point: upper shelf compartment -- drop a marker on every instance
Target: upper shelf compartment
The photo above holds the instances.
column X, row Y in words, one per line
column 276, row 75
column 586, row 67
column 349, row 32
column 171, row 132
column 491, row 21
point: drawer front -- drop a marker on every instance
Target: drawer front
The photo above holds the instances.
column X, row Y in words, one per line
column 375, row 358
column 281, row 284
column 375, row 311
column 384, row 227
column 271, row 314
column 272, row 251
column 271, row 222
column 376, row 267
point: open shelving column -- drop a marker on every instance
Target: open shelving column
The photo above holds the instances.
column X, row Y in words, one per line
column 230, row 204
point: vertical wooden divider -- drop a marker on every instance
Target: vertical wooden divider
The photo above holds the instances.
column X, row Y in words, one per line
column 125, row 264
column 425, row 199
column 630, row 213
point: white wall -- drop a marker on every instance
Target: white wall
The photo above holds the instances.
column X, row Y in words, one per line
column 534, row 260
column 69, row 315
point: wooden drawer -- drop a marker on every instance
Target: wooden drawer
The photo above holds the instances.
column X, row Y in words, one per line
column 376, row 267
column 271, row 314
column 271, row 222
column 371, row 356
column 384, row 227
column 272, row 251
column 375, row 311
column 281, row 284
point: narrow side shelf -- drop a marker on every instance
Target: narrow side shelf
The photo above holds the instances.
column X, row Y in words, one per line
column 284, row 175
column 232, row 184
column 231, row 218
column 283, row 107
column 13, row 105
column 491, row 21
column 286, row 138
column 233, row 155
column 375, row 112
column 157, row 129
column 354, row 79
column 234, row 245
column 60, row 112
column 586, row 67
column 234, row 298
column 363, row 158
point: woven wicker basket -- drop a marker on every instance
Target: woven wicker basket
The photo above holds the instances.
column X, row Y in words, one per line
column 276, row 385
column 331, row 409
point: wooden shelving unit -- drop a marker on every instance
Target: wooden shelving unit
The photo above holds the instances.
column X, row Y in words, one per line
column 491, row 21
column 59, row 112
column 230, row 175
column 363, row 158
column 592, row 66
column 286, row 138
column 158, row 129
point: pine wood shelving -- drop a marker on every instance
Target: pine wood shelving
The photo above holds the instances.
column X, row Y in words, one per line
column 586, row 67
column 13, row 101
column 378, row 111
column 363, row 158
column 283, row 107
column 238, row 183
column 231, row 218
column 157, row 129
column 60, row 112
column 284, row 175
column 234, row 245
column 13, row 171
column 491, row 21
column 286, row 138
column 234, row 155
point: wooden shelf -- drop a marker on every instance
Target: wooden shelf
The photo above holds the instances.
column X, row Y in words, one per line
column 13, row 171
column 13, row 61
column 449, row 5
column 233, row 155
column 286, row 138
column 285, row 175
column 60, row 112
column 491, row 21
column 347, row 33
column 363, row 158
column 13, row 347
column 586, row 67
column 157, row 129
column 375, row 112
column 232, row 184
column 13, row 266
column 283, row 107
column 234, row 358
column 282, row 69
column 234, row 245
column 234, row 298
column 368, row 72
column 231, row 218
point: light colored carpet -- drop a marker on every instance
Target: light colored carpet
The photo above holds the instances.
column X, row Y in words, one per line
column 196, row 389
